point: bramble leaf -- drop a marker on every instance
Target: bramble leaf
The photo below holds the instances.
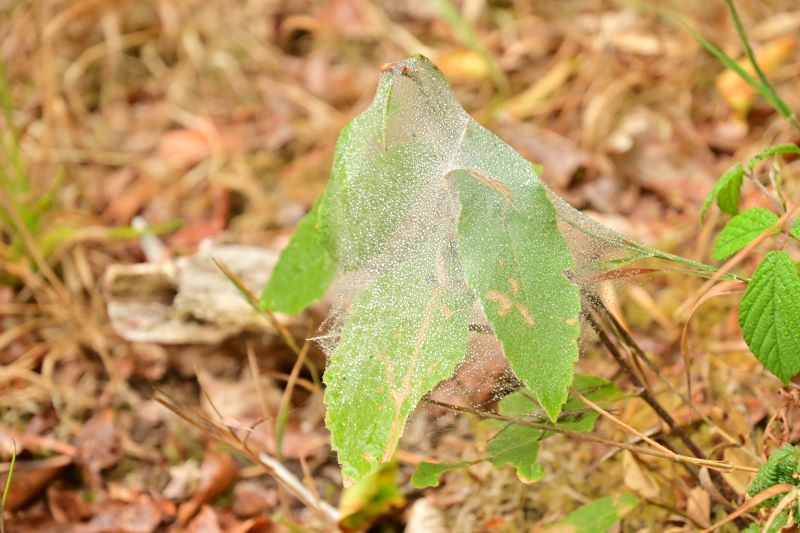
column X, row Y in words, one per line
column 781, row 467
column 726, row 191
column 769, row 315
column 741, row 230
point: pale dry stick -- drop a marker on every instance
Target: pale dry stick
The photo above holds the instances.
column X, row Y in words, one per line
column 722, row 466
column 755, row 501
column 589, row 403
column 735, row 260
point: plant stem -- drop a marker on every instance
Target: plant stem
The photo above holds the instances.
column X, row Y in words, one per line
column 715, row 466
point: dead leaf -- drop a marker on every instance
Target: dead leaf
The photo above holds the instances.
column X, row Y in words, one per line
column 217, row 473
column 252, row 498
column 141, row 515
column 30, row 477
column 67, row 505
column 637, row 478
column 98, row 446
column 698, row 506
column 206, row 521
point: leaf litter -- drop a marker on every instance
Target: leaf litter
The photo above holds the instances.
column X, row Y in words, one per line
column 285, row 86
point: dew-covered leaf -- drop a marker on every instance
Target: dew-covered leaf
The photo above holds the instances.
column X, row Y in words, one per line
column 598, row 515
column 428, row 474
column 726, row 191
column 404, row 334
column 514, row 257
column 769, row 315
column 741, row 230
column 426, row 215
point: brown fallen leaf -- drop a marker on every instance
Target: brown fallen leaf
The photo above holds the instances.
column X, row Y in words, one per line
column 140, row 515
column 206, row 521
column 698, row 506
column 637, row 478
column 252, row 498
column 30, row 477
column 217, row 473
column 67, row 505
column 98, row 447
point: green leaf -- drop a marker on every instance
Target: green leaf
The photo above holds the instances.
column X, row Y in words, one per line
column 518, row 445
column 404, row 334
column 374, row 495
column 741, row 230
column 773, row 150
column 598, row 515
column 796, row 229
column 428, row 474
column 726, row 191
column 769, row 315
column 514, row 258
column 305, row 269
column 781, row 467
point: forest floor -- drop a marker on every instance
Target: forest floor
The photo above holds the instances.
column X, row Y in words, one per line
column 151, row 136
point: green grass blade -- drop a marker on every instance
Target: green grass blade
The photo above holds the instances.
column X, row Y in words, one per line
column 768, row 90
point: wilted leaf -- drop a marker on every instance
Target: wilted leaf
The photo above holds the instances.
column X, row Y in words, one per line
column 741, row 230
column 373, row 496
column 769, row 315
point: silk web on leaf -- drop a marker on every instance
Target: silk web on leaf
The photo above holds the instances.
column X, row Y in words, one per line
column 445, row 249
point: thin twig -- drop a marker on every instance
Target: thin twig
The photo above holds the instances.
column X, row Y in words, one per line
column 589, row 403
column 721, row 466
column 724, row 488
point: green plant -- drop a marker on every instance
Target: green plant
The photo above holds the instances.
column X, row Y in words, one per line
column 429, row 219
column 7, row 488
